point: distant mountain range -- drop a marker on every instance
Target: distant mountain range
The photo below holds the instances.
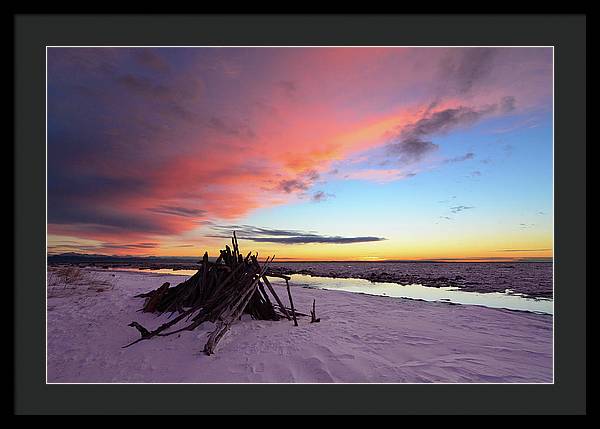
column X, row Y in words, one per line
column 80, row 258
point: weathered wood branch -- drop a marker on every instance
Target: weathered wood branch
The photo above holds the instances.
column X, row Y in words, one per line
column 313, row 314
column 291, row 303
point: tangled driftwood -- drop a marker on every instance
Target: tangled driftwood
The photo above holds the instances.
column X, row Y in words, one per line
column 219, row 292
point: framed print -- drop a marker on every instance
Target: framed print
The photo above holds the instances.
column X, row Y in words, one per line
column 316, row 214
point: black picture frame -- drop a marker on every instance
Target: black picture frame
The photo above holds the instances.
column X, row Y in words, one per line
column 32, row 33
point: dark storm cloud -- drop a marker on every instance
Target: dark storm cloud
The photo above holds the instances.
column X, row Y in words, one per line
column 449, row 119
column 93, row 201
column 102, row 219
column 301, row 183
column 311, row 175
column 411, row 150
column 282, row 236
column 93, row 185
column 170, row 98
column 177, row 211
column 253, row 230
column 320, row 196
column 292, row 185
column 130, row 245
column 466, row 68
column 464, row 157
column 113, row 124
column 507, row 104
column 413, row 143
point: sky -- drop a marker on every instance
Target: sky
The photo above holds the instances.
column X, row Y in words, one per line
column 353, row 153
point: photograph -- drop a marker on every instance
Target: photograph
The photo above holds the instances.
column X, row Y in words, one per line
column 281, row 214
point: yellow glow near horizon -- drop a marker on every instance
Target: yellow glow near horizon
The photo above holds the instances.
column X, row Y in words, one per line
column 495, row 246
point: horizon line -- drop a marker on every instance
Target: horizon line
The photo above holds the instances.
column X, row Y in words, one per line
column 290, row 259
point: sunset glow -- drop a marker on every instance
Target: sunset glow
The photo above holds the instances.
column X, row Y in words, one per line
column 308, row 153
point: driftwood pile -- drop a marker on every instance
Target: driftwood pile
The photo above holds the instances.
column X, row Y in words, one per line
column 220, row 292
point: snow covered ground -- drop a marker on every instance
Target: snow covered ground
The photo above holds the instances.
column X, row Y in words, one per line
column 360, row 339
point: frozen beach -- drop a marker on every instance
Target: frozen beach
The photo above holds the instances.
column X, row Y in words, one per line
column 360, row 339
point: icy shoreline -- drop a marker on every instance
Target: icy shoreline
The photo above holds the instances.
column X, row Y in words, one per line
column 360, row 339
column 531, row 278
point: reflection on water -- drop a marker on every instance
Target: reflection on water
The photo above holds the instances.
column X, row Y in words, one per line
column 508, row 300
column 448, row 294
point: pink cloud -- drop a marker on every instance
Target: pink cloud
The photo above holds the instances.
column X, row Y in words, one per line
column 160, row 141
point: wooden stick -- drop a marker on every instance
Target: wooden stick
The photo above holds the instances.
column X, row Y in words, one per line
column 291, row 303
column 236, row 246
column 280, row 276
column 313, row 314
column 270, row 287
column 235, row 312
column 298, row 313
column 204, row 284
column 153, row 301
column 235, row 259
column 147, row 335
